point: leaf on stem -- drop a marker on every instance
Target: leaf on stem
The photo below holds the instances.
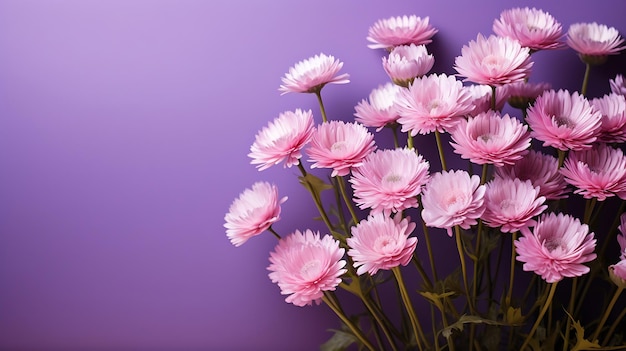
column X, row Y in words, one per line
column 465, row 319
column 339, row 341
column 314, row 184
column 581, row 342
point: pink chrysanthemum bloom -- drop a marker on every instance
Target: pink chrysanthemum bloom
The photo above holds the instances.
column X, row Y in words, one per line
column 381, row 243
column 453, row 198
column 434, row 102
column 491, row 139
column 618, row 85
column 407, row 62
column 305, row 265
column 558, row 247
column 613, row 123
column 310, row 75
column 512, row 204
column 594, row 41
column 394, row 31
column 481, row 98
column 621, row 238
column 534, row 29
column 543, row 172
column 253, row 212
column 340, row 146
column 389, row 180
column 598, row 173
column 493, row 61
column 617, row 273
column 523, row 94
column 564, row 121
column 380, row 109
column 282, row 139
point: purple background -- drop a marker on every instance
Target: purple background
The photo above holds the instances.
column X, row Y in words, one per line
column 124, row 130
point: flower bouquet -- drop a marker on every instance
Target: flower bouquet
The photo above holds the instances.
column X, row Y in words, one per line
column 534, row 219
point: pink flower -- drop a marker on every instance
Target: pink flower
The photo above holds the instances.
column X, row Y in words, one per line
column 453, row 198
column 305, row 265
column 593, row 39
column 310, row 75
column 523, row 94
column 381, row 108
column 491, row 138
column 389, row 180
column 564, row 121
column 558, row 247
column 340, row 146
column 613, row 123
column 493, row 61
column 621, row 239
column 407, row 62
column 434, row 102
column 395, row 31
column 282, row 140
column 380, row 242
column 599, row 172
column 253, row 212
column 618, row 85
column 481, row 98
column 617, row 273
column 511, row 204
column 534, row 29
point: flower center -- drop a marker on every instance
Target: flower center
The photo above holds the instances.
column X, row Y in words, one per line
column 386, row 243
column 563, row 121
column 492, row 62
column 552, row 244
column 485, row 137
column 339, row 146
column 392, row 178
column 310, row 270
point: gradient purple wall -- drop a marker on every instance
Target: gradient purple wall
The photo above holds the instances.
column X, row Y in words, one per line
column 124, row 130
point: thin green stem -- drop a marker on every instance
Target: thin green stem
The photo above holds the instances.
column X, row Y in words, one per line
column 409, row 140
column 608, row 335
column 561, row 154
column 440, row 148
column 318, row 93
column 346, row 199
column 583, row 89
column 589, row 205
column 607, row 312
column 421, row 271
column 355, row 330
column 271, row 230
column 374, row 312
column 431, row 257
column 493, row 97
column 509, row 295
column 417, row 329
column 570, row 309
column 318, row 204
column 394, row 130
column 459, row 246
column 483, row 176
column 546, row 305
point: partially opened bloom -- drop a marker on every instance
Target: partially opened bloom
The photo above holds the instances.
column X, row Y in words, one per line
column 511, row 204
column 523, row 94
column 558, row 247
column 618, row 85
column 381, row 243
column 453, row 198
column 617, row 273
column 407, row 62
column 310, row 75
column 482, row 95
column 534, row 29
column 253, row 212
column 613, row 123
column 380, row 109
column 389, row 180
column 594, row 40
column 402, row 30
column 305, row 265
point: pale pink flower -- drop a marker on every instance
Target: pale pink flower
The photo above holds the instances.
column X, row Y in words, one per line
column 434, row 102
column 405, row 30
column 310, row 75
column 407, row 62
column 618, row 85
column 340, row 146
column 534, row 29
column 593, row 39
column 389, row 180
column 453, row 198
column 621, row 239
column 380, row 109
column 305, row 265
column 512, row 204
column 599, row 172
column 613, row 123
column 481, row 98
column 381, row 243
column 490, row 138
column 564, row 121
column 558, row 247
column 253, row 212
column 522, row 95
column 617, row 273
column 493, row 61
column 282, row 139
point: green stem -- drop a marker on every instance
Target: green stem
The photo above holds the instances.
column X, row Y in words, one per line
column 493, row 98
column 431, row 257
column 421, row 271
column 440, row 148
column 355, row 330
column 570, row 309
column 271, row 230
column 608, row 335
column 509, row 295
column 546, row 305
column 318, row 93
column 607, row 312
column 561, row 154
column 417, row 329
column 483, row 176
column 459, row 246
column 394, row 130
column 318, row 204
column 409, row 140
column 374, row 312
column 589, row 205
column 583, row 89
column 346, row 199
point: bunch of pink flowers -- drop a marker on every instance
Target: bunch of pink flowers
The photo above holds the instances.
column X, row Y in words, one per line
column 544, row 177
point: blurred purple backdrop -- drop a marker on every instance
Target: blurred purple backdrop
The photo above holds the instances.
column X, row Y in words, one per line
column 124, row 130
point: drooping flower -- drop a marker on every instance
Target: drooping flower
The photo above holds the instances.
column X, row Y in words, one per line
column 340, row 146
column 618, row 85
column 558, row 247
column 523, row 94
column 253, row 212
column 534, row 29
column 453, row 198
column 490, row 138
column 407, row 62
column 617, row 273
column 613, row 123
column 402, row 30
column 512, row 204
column 381, row 243
column 594, row 41
column 482, row 95
column 389, row 180
column 282, row 139
column 310, row 75
column 380, row 109
column 493, row 61
column 304, row 265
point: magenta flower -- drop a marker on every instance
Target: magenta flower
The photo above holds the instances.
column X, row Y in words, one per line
column 380, row 109
column 613, row 123
column 340, row 146
column 558, row 247
column 381, row 243
column 305, row 265
column 493, row 61
column 618, row 85
column 617, row 273
column 395, row 31
column 593, row 39
column 534, row 29
column 491, row 139
column 253, row 212
column 621, row 239
column 310, row 75
column 481, row 98
column 512, row 204
column 389, row 180
column 453, row 198
column 564, row 121
column 523, row 94
column 407, row 62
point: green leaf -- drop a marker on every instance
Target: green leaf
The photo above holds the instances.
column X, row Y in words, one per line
column 339, row 341
column 314, row 184
column 514, row 316
column 581, row 342
column 465, row 319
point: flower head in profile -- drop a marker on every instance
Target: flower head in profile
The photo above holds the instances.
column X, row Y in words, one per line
column 253, row 212
column 304, row 265
column 617, row 272
column 402, row 30
column 512, row 204
column 618, row 85
column 380, row 109
column 493, row 61
column 453, row 198
column 558, row 247
column 310, row 75
column 613, row 124
column 481, row 98
column 534, row 29
column 621, row 238
column 389, row 180
column 594, row 41
column 381, row 243
column 407, row 62
column 523, row 94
